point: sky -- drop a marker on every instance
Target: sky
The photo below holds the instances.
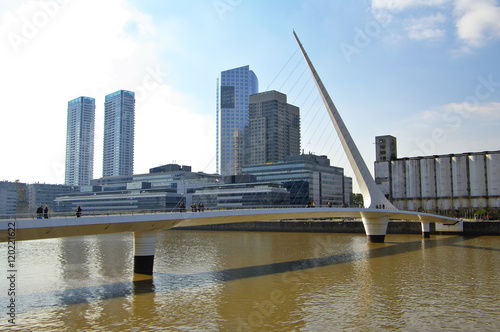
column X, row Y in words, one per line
column 426, row 72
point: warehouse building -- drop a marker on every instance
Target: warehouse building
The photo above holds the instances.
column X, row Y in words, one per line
column 453, row 184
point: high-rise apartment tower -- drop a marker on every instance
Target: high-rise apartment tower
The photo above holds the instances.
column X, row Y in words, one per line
column 119, row 119
column 79, row 168
column 273, row 131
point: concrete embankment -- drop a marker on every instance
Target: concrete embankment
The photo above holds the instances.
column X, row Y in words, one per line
column 354, row 226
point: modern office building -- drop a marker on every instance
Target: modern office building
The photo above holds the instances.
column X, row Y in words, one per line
column 79, row 168
column 307, row 177
column 451, row 184
column 45, row 194
column 136, row 197
column 242, row 195
column 13, row 198
column 273, row 131
column 174, row 176
column 233, row 90
column 119, row 120
column 296, row 181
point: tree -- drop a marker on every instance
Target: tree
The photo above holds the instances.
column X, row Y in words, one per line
column 357, row 200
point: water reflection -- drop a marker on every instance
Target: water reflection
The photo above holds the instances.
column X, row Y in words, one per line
column 262, row 281
column 81, row 259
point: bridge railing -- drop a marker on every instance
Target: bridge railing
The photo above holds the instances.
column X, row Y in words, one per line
column 96, row 213
column 73, row 214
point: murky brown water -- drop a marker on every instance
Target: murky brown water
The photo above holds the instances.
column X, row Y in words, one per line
column 251, row 281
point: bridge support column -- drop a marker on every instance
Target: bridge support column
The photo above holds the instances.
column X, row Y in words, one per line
column 375, row 228
column 426, row 229
column 144, row 252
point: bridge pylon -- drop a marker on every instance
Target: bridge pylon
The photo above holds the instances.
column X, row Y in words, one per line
column 375, row 228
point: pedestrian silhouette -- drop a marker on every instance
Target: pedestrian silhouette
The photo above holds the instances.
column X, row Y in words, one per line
column 182, row 207
column 39, row 212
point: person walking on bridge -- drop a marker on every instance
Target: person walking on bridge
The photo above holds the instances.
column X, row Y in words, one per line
column 182, row 207
column 39, row 212
column 46, row 212
column 78, row 211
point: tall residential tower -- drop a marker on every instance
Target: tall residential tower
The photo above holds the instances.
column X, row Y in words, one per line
column 274, row 129
column 234, row 88
column 79, row 168
column 119, row 119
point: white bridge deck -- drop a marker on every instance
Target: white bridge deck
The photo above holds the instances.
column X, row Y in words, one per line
column 55, row 227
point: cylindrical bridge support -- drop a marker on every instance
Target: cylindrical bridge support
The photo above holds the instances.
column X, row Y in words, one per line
column 426, row 229
column 144, row 252
column 375, row 228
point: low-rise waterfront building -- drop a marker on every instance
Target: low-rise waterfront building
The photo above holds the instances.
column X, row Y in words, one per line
column 13, row 198
column 122, row 201
column 162, row 189
column 241, row 195
column 45, row 194
column 171, row 175
column 308, row 177
column 296, row 181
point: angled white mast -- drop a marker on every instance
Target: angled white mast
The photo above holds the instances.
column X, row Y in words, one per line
column 372, row 196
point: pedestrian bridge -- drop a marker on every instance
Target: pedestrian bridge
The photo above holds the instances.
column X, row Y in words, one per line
column 65, row 226
column 146, row 225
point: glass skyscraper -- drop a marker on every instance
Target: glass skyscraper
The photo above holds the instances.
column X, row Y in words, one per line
column 233, row 89
column 79, row 168
column 119, row 120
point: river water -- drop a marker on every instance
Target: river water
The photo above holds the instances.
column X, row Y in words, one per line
column 256, row 281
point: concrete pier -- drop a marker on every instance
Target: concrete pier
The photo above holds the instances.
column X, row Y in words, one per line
column 426, row 229
column 144, row 252
column 375, row 228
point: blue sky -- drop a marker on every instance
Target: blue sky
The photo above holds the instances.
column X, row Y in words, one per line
column 424, row 71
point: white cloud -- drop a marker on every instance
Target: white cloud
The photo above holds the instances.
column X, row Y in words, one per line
column 429, row 27
column 453, row 117
column 478, row 21
column 426, row 28
column 490, row 110
column 50, row 55
column 455, row 114
column 172, row 131
column 401, row 5
column 450, row 128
